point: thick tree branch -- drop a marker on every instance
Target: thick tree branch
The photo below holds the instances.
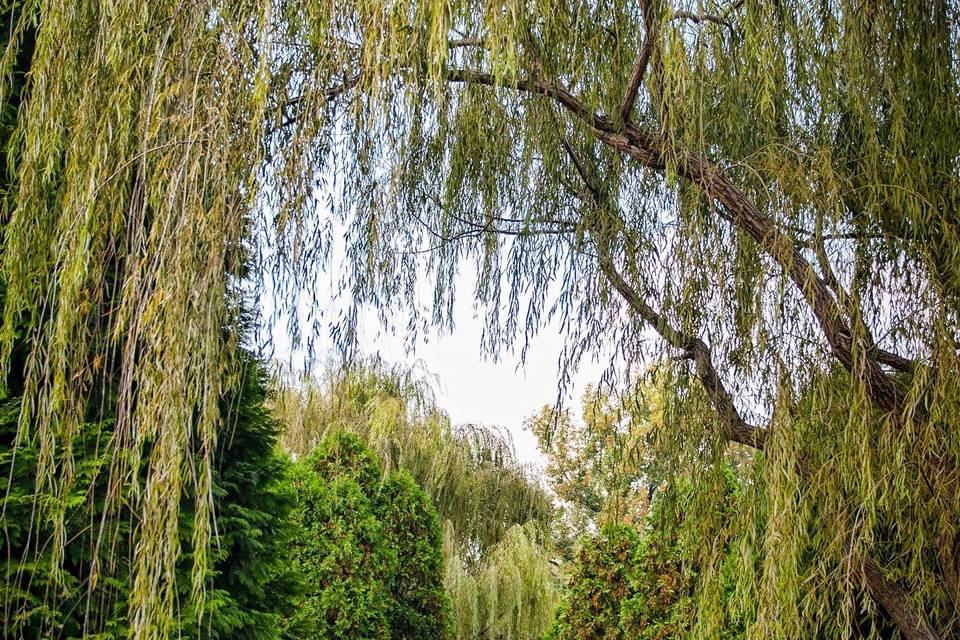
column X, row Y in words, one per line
column 895, row 601
column 889, row 594
column 633, row 83
column 650, row 150
column 847, row 303
column 736, row 428
column 465, row 42
column 639, row 69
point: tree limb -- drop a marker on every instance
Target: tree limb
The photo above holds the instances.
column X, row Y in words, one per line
column 639, row 69
column 650, row 150
column 694, row 349
column 889, row 594
column 736, row 428
column 465, row 42
column 723, row 19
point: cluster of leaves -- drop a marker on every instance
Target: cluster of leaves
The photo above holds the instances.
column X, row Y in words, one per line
column 369, row 547
column 599, row 466
column 625, row 586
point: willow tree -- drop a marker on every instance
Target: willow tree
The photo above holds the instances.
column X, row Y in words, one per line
column 470, row 472
column 123, row 140
column 770, row 187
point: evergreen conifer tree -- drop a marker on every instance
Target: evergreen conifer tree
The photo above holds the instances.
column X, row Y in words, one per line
column 369, row 547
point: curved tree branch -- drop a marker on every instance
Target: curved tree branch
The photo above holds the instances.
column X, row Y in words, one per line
column 694, row 349
column 650, row 150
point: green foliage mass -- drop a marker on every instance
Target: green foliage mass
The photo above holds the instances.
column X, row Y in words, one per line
column 413, row 529
column 641, row 581
column 624, row 587
column 369, row 548
column 252, row 583
column 249, row 584
column 498, row 570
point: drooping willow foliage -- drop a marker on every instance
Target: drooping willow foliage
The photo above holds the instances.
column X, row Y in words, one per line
column 121, row 234
column 510, row 594
column 770, row 188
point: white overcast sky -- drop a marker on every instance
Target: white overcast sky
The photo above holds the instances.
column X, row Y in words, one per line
column 469, row 387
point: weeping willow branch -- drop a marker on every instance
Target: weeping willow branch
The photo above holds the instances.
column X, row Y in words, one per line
column 639, row 69
column 894, row 599
column 652, row 151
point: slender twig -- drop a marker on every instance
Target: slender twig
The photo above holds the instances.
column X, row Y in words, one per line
column 465, row 42
column 723, row 19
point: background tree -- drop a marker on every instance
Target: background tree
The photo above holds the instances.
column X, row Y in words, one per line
column 370, row 549
column 599, row 465
column 470, row 472
column 413, row 529
column 641, row 580
column 497, row 555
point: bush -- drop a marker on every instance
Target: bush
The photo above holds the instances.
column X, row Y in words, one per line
column 626, row 586
column 370, row 551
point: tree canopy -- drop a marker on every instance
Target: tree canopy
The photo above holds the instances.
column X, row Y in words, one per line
column 769, row 187
column 599, row 466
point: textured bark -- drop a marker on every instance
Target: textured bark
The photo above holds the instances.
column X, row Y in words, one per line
column 948, row 555
column 894, row 600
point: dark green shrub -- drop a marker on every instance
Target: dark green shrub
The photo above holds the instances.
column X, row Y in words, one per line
column 421, row 609
column 369, row 550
